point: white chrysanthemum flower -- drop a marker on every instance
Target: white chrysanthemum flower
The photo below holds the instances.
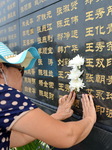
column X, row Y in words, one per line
column 76, row 84
column 76, row 62
column 74, row 74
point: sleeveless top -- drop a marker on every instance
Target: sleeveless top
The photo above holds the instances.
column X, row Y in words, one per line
column 13, row 105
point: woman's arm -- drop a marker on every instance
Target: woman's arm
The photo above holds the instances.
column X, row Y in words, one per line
column 41, row 126
column 18, row 139
column 64, row 111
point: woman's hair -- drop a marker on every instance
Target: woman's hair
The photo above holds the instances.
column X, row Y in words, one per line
column 6, row 64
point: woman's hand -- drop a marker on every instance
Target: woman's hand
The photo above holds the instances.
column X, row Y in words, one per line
column 88, row 107
column 64, row 110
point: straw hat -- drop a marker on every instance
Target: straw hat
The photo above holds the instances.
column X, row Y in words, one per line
column 27, row 58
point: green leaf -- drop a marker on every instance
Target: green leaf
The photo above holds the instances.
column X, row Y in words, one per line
column 35, row 145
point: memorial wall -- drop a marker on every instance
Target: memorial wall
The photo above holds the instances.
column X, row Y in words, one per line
column 61, row 29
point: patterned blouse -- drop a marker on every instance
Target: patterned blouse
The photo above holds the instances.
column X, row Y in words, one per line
column 13, row 105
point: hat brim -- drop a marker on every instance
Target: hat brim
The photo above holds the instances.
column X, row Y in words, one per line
column 26, row 58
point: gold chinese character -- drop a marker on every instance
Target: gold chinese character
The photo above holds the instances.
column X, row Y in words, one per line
column 50, row 50
column 74, row 5
column 61, row 74
column 66, row 8
column 99, row 30
column 26, row 89
column 60, row 62
column 39, row 29
column 29, row 5
column 66, row 74
column 49, row 26
column 67, row 88
column 44, row 39
column 89, row 31
column 74, row 19
column 40, row 62
column 100, row 78
column 61, row 87
column 89, row 91
column 66, row 22
column 89, row 77
column 99, row 94
column 109, row 62
column 109, row 113
column 44, row 28
column 109, row 10
column 89, row 47
column 109, row 28
column 36, row 2
column 51, row 85
column 40, row 50
column 66, row 48
column 46, row 84
column 49, row 14
column 89, row 62
column 109, row 46
column 25, row 79
column 29, row 89
column 100, row 46
column 45, row 94
column 33, row 81
column 43, row 16
column 109, row 80
column 66, row 60
column 41, row 93
column 89, row 16
column 99, row 62
column 99, row 13
column 29, row 80
column 32, row 41
column 97, row 108
column 74, row 48
column 45, row 72
column 44, row 50
column 38, row 18
column 102, row 110
column 51, row 96
column 88, row 2
column 60, row 49
column 108, row 95
column 66, row 35
column 59, row 11
column 41, row 83
column 31, row 31
column 50, row 38
column 40, row 72
column 51, row 73
column 50, row 61
column 33, row 90
column 74, row 34
column 59, row 23
column 31, row 20
column 24, row 42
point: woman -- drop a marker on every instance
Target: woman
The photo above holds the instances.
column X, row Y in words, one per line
column 22, row 122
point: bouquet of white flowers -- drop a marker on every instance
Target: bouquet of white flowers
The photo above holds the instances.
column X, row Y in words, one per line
column 76, row 82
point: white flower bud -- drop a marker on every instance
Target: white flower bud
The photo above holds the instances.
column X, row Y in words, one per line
column 76, row 62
